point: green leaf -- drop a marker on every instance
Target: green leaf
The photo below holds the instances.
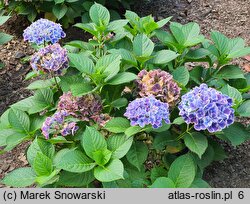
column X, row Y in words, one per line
column 137, row 154
column 48, row 179
column 162, row 139
column 109, row 65
column 102, row 157
column 126, row 55
column 192, row 35
column 58, row 140
column 244, row 109
column 25, row 104
column 143, row 46
column 232, row 92
column 19, row 120
column 122, row 78
column 117, row 125
column 163, row 182
column 119, row 145
column 119, row 103
column 4, row 38
column 59, row 1
column 178, row 121
column 219, row 153
column 42, row 146
column 117, row 24
column 165, row 37
column 176, row 29
column 80, row 89
column 221, row 42
column 197, row 54
column 111, row 172
column 21, row 177
column 92, row 141
column 240, row 53
column 196, row 142
column 230, row 72
column 41, row 84
column 157, row 172
column 3, row 19
column 99, row 14
column 76, row 179
column 199, row 183
column 164, row 56
column 236, row 133
column 182, row 171
column 82, row 63
column 73, row 161
column 42, row 165
column 206, row 158
column 181, row 74
column 59, row 10
column 89, row 27
column 163, row 22
column 133, row 130
column 42, row 100
column 4, row 134
column 15, row 139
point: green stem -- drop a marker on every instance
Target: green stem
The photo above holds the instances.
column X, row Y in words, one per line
column 187, row 131
column 57, row 85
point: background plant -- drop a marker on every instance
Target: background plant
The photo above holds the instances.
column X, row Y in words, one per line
column 107, row 73
column 4, row 37
column 65, row 11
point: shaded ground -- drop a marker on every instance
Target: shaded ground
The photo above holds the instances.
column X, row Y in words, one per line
column 227, row 16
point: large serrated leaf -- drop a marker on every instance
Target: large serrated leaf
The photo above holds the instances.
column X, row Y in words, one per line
column 92, row 141
column 21, row 177
column 119, row 145
column 143, row 46
column 137, row 154
column 182, row 171
column 111, row 172
column 73, row 161
column 19, row 120
column 196, row 142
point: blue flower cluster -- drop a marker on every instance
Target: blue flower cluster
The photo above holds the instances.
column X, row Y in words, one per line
column 56, row 124
column 207, row 108
column 147, row 110
column 50, row 58
column 42, row 31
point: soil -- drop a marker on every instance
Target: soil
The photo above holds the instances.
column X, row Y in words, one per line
column 227, row 16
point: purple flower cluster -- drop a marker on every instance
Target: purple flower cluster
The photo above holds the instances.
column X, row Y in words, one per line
column 52, row 58
column 159, row 84
column 84, row 108
column 148, row 110
column 207, row 108
column 56, row 124
column 42, row 31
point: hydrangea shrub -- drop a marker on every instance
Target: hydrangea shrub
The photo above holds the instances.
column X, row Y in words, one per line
column 98, row 105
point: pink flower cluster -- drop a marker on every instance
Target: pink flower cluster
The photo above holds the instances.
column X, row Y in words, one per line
column 159, row 84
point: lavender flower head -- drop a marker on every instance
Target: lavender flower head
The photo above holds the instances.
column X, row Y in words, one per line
column 207, row 108
column 42, row 31
column 159, row 84
column 148, row 110
column 84, row 108
column 57, row 124
column 52, row 58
